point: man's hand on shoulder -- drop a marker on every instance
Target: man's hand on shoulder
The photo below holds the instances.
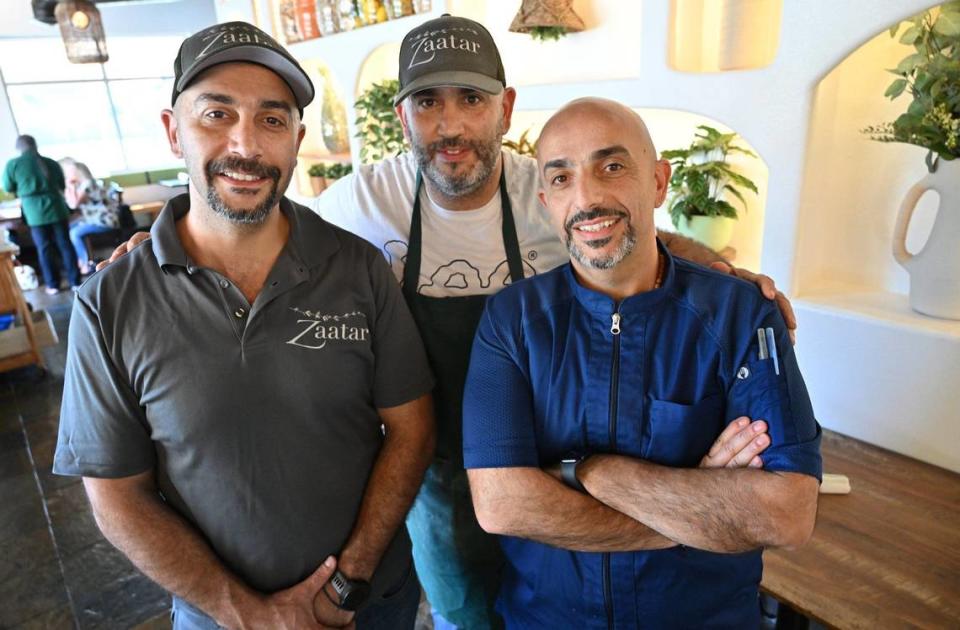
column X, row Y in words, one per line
column 124, row 248
column 769, row 289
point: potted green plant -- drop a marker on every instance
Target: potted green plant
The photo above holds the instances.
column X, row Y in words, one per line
column 378, row 127
column 318, row 174
column 323, row 174
column 701, row 180
column 523, row 146
column 931, row 75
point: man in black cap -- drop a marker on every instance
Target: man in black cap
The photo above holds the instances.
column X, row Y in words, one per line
column 257, row 457
column 459, row 219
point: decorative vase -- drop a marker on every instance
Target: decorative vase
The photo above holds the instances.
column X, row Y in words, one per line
column 935, row 269
column 333, row 118
column 714, row 232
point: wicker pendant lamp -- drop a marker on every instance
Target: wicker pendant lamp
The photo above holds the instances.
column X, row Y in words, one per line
column 546, row 14
column 82, row 31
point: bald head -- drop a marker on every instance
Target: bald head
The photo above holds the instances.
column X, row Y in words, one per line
column 581, row 118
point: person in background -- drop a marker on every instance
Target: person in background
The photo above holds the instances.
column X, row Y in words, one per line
column 98, row 206
column 39, row 183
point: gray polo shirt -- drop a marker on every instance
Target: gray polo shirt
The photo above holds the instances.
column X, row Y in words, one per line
column 260, row 420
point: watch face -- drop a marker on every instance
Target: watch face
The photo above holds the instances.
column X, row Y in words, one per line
column 357, row 593
column 352, row 592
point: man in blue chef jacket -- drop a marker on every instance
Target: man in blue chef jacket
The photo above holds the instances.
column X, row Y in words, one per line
column 596, row 389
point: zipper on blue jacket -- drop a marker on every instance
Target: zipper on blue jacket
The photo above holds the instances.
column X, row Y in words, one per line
column 612, row 428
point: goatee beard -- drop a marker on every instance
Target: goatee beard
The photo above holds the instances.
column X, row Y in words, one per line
column 259, row 213
column 627, row 243
column 461, row 181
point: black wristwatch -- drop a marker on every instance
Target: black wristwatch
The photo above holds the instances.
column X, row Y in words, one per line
column 568, row 472
column 352, row 593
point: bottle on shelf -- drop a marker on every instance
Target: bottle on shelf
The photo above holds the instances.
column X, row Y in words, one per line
column 287, row 9
column 328, row 17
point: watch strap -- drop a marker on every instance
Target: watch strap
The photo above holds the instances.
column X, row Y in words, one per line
column 568, row 472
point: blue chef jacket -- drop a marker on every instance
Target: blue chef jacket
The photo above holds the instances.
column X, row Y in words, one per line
column 548, row 378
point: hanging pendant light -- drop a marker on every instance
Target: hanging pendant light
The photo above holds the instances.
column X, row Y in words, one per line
column 82, row 31
column 546, row 14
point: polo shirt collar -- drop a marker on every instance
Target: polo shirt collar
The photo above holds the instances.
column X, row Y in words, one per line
column 603, row 305
column 310, row 242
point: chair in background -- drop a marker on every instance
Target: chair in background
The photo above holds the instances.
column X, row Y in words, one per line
column 101, row 244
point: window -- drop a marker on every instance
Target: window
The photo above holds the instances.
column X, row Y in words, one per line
column 106, row 115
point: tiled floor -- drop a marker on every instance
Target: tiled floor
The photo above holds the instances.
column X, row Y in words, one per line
column 56, row 570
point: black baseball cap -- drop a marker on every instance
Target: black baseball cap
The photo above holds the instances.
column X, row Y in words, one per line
column 238, row 41
column 449, row 52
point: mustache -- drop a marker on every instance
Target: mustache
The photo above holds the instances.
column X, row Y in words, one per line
column 591, row 214
column 241, row 165
column 456, row 142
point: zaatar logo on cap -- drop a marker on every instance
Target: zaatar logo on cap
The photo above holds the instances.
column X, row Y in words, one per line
column 425, row 46
column 234, row 34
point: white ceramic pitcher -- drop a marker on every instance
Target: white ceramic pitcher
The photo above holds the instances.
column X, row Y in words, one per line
column 935, row 269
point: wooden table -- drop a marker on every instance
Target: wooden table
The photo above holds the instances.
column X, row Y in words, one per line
column 150, row 198
column 885, row 556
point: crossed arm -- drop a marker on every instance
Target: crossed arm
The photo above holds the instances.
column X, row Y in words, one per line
column 725, row 505
column 174, row 554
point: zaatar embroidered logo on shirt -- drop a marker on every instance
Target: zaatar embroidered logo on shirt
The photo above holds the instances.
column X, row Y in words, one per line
column 315, row 329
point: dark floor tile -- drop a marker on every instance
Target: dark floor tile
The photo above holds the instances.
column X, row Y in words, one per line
column 74, row 527
column 11, row 440
column 27, row 595
column 21, row 509
column 9, row 411
column 22, row 554
column 37, row 402
column 160, row 622
column 108, row 592
column 57, row 619
column 15, row 462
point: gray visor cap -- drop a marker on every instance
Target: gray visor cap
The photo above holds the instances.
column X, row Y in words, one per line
column 451, row 78
column 292, row 74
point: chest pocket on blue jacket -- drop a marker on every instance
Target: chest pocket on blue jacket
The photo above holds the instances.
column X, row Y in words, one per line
column 680, row 435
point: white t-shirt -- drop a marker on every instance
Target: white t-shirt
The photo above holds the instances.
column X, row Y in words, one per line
column 462, row 250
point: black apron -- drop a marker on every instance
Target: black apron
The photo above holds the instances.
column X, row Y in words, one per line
column 458, row 563
column 447, row 326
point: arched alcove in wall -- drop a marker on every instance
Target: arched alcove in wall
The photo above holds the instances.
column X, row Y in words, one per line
column 381, row 64
column 674, row 129
column 853, row 186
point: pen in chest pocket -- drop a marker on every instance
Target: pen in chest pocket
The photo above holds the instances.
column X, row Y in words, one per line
column 767, row 342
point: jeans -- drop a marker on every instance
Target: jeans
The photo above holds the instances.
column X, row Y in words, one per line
column 45, row 236
column 396, row 610
column 80, row 229
column 457, row 561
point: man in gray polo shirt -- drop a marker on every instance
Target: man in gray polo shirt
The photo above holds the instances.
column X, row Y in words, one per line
column 247, row 396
